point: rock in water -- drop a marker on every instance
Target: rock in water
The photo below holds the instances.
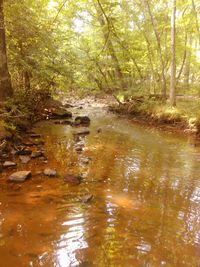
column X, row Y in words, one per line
column 87, row 198
column 50, row 172
column 36, row 154
column 20, row 176
column 82, row 120
column 24, row 159
column 9, row 164
column 72, row 179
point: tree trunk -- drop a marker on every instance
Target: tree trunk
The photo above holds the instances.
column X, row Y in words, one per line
column 183, row 61
column 196, row 18
column 104, row 21
column 173, row 56
column 5, row 81
column 186, row 80
column 159, row 50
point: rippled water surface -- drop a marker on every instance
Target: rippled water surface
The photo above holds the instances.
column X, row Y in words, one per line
column 145, row 210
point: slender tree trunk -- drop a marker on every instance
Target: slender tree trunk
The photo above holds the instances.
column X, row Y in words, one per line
column 173, row 55
column 187, row 65
column 104, row 21
column 150, row 53
column 183, row 61
column 5, row 81
column 102, row 73
column 159, row 50
column 196, row 18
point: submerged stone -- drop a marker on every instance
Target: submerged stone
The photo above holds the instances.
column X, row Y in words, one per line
column 72, row 179
column 20, row 176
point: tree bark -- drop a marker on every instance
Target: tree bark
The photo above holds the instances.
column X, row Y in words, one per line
column 196, row 18
column 164, row 94
column 183, row 61
column 104, row 20
column 5, row 81
column 173, row 56
column 186, row 80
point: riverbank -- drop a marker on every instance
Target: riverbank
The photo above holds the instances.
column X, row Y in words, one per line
column 184, row 118
column 20, row 144
column 17, row 119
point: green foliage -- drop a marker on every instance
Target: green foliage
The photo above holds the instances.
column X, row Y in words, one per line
column 92, row 46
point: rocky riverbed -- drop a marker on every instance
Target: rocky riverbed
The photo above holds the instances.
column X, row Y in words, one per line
column 109, row 192
column 30, row 146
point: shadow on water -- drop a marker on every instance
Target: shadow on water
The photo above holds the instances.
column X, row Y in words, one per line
column 145, row 210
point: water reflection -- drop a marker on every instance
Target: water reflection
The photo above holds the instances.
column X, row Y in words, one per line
column 145, row 211
column 71, row 241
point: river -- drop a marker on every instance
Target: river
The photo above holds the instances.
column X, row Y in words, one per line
column 145, row 209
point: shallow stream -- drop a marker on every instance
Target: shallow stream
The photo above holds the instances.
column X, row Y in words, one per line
column 145, row 209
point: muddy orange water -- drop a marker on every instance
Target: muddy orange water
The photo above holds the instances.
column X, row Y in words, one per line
column 145, row 210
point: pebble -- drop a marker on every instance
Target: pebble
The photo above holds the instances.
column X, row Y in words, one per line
column 50, row 172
